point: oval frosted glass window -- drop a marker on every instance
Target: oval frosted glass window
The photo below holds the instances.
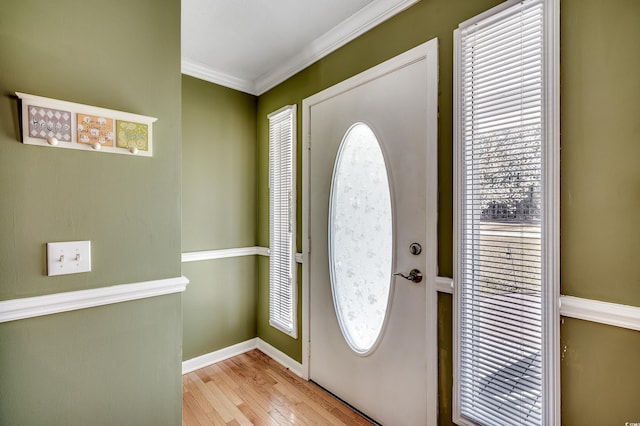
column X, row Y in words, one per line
column 360, row 238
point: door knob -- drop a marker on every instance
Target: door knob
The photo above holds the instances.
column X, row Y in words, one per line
column 414, row 276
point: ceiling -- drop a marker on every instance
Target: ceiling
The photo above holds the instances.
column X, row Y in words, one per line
column 253, row 45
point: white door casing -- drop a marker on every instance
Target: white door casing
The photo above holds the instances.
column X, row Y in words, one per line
column 396, row 383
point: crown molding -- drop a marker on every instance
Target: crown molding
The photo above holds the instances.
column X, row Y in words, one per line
column 201, row 71
column 367, row 18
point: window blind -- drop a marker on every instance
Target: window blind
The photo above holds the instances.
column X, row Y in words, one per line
column 499, row 313
column 282, row 232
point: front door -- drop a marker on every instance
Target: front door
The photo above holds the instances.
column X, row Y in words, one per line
column 370, row 212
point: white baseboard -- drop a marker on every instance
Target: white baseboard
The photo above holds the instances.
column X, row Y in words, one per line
column 219, row 355
column 240, row 348
column 282, row 358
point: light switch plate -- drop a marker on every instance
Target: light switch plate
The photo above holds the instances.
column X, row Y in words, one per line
column 69, row 257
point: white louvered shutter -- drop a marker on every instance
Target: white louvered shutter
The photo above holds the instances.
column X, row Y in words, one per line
column 500, row 151
column 282, row 230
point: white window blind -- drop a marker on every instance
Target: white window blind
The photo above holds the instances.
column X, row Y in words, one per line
column 282, row 213
column 502, row 285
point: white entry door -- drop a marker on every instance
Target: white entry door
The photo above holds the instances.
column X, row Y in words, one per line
column 370, row 202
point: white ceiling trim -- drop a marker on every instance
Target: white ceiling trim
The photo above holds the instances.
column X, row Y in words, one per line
column 198, row 70
column 367, row 18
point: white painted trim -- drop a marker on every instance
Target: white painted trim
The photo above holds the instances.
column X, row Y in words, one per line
column 195, row 256
column 351, row 28
column 240, row 348
column 444, row 285
column 220, row 355
column 203, row 72
column 282, row 358
column 29, row 307
column 306, row 236
column 615, row 314
column 551, row 242
column 458, row 190
column 362, row 21
column 263, row 251
column 430, row 52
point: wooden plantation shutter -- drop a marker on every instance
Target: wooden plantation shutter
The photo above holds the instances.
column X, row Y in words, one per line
column 504, row 287
column 282, row 213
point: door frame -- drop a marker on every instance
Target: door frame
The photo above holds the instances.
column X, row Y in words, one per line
column 429, row 52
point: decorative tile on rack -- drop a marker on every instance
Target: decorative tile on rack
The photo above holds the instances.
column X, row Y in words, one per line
column 92, row 129
column 48, row 122
column 132, row 135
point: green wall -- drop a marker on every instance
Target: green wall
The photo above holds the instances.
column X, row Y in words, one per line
column 218, row 212
column 218, row 158
column 599, row 374
column 599, row 190
column 112, row 365
column 600, row 171
column 219, row 305
column 118, row 364
column 600, row 205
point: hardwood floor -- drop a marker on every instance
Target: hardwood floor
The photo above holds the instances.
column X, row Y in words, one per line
column 253, row 389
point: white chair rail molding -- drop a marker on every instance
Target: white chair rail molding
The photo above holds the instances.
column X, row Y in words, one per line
column 29, row 307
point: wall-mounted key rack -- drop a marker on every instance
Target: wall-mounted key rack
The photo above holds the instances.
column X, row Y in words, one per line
column 61, row 124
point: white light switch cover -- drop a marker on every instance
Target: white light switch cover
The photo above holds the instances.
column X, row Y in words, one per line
column 70, row 257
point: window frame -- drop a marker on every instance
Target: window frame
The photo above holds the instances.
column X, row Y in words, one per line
column 550, row 189
column 279, row 259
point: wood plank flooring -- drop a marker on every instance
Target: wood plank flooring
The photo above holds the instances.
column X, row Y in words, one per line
column 253, row 389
